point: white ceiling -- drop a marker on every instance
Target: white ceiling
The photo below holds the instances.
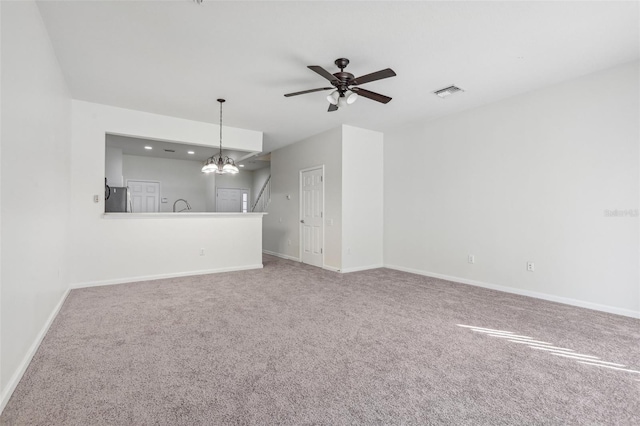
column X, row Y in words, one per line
column 180, row 151
column 177, row 57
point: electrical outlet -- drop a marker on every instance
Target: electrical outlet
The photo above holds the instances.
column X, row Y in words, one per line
column 289, row 242
column 201, row 252
column 96, row 198
column 280, row 220
column 531, row 267
column 471, row 259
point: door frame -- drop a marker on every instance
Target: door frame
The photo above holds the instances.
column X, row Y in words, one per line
column 308, row 169
column 130, row 202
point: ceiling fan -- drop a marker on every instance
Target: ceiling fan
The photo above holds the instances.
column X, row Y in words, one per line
column 345, row 85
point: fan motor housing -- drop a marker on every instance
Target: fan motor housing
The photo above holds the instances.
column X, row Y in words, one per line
column 341, row 63
column 344, row 77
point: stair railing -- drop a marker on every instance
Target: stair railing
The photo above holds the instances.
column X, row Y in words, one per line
column 264, row 197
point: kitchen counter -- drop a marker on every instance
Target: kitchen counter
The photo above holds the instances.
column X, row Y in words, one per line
column 184, row 215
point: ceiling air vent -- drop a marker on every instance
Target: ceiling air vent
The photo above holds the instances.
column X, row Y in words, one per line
column 169, row 150
column 448, row 91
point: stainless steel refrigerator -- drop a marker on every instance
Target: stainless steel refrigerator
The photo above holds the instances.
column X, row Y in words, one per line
column 116, row 199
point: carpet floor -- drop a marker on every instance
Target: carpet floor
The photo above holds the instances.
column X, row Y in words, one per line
column 294, row 344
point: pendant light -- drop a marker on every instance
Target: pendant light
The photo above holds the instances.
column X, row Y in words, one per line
column 217, row 163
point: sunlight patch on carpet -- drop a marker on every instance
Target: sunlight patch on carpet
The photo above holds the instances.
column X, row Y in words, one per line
column 547, row 347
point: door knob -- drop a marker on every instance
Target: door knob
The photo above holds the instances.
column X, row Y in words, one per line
column 302, row 221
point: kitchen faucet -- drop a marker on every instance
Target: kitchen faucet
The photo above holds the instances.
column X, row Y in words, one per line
column 185, row 201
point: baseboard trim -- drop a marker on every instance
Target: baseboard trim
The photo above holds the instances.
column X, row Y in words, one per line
column 537, row 295
column 17, row 375
column 361, row 268
column 283, row 256
column 296, row 259
column 331, row 268
column 164, row 276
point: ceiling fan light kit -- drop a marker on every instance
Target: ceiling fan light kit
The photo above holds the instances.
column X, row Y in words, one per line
column 342, row 101
column 217, row 163
column 333, row 97
column 351, row 97
column 345, row 90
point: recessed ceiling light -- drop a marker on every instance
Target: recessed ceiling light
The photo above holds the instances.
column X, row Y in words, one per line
column 241, row 165
column 190, row 152
column 148, row 147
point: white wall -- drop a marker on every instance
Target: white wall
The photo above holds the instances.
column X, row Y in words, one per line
column 131, row 249
column 524, row 179
column 210, row 192
column 242, row 180
column 282, row 224
column 362, row 208
column 35, row 203
column 353, row 197
column 178, row 179
column 134, row 249
column 2, row 399
column 113, row 166
column 260, row 176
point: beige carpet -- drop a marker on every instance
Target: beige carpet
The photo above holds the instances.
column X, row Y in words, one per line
column 293, row 344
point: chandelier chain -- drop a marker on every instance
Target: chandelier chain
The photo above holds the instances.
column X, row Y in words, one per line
column 220, row 128
column 217, row 163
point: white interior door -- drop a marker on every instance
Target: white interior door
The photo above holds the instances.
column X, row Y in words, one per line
column 232, row 200
column 145, row 196
column 311, row 216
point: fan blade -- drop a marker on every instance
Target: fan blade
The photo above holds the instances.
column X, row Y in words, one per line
column 371, row 95
column 332, row 108
column 326, row 74
column 378, row 75
column 308, row 91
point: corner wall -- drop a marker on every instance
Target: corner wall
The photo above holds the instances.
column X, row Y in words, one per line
column 362, row 206
column 282, row 224
column 527, row 179
column 353, row 235
column 36, row 121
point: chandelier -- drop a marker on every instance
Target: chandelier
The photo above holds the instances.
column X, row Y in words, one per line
column 217, row 163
